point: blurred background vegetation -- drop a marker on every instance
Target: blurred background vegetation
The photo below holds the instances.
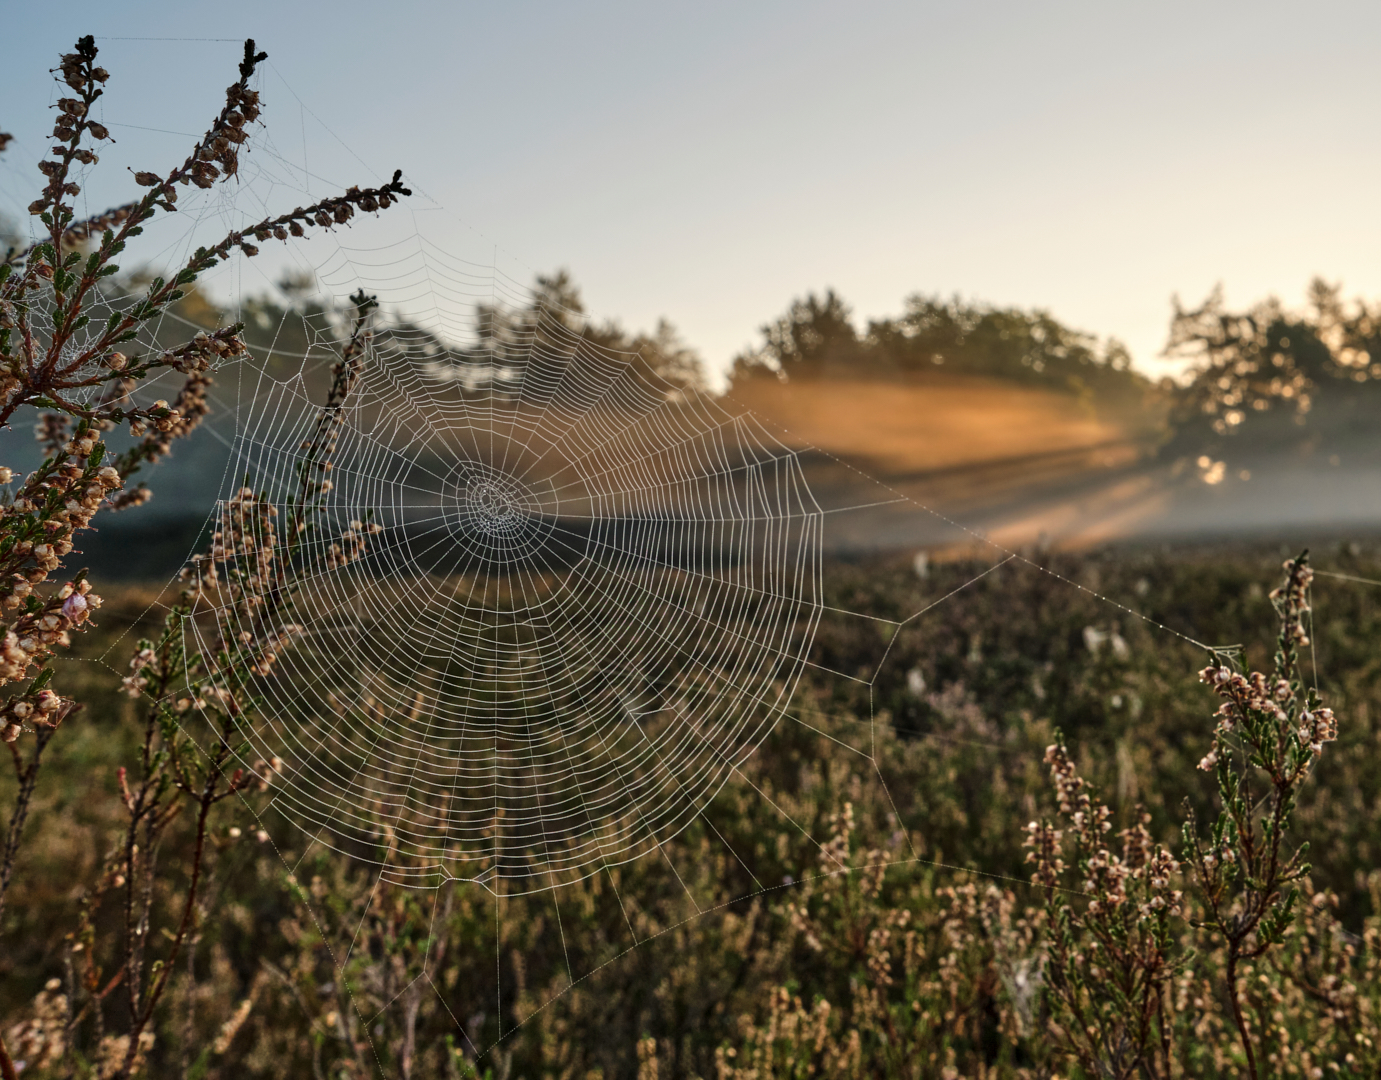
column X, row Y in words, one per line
column 1008, row 420
column 1041, row 537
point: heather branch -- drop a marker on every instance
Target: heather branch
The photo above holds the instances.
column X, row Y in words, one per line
column 121, row 373
column 80, row 73
column 107, row 221
column 214, row 154
column 47, row 712
column 1275, row 727
column 159, row 425
column 1120, row 940
column 326, row 213
column 38, row 368
column 164, row 769
column 27, row 772
column 32, row 379
column 345, row 373
column 222, row 682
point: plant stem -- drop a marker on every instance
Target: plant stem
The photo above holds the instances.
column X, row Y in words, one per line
column 208, row 798
column 28, row 777
column 7, row 1070
column 1237, row 1016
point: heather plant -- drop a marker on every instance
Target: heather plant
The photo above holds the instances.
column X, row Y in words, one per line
column 1110, row 956
column 1127, row 958
column 76, row 358
column 1116, row 954
column 927, row 977
column 1273, row 728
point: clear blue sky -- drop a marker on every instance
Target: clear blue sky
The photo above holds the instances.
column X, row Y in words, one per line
column 710, row 161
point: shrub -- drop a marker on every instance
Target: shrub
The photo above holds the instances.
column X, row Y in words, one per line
column 76, row 358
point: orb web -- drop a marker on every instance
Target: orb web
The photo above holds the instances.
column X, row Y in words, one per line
column 586, row 596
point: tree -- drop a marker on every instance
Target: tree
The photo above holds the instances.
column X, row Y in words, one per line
column 554, row 320
column 815, row 336
column 1268, row 378
column 1001, row 342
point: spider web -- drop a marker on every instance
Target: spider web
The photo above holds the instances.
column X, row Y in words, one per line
column 588, row 600
column 591, row 599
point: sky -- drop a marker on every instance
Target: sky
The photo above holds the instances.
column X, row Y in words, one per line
column 708, row 162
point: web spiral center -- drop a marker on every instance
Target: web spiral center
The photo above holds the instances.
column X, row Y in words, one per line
column 491, row 504
column 493, row 516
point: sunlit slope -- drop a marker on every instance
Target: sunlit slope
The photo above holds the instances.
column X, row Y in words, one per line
column 936, row 424
column 960, row 440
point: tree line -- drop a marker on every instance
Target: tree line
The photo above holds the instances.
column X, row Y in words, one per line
column 1263, row 376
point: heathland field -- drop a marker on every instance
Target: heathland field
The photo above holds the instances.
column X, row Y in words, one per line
column 887, row 957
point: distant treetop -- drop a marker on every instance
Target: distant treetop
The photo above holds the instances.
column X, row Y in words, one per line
column 816, row 337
